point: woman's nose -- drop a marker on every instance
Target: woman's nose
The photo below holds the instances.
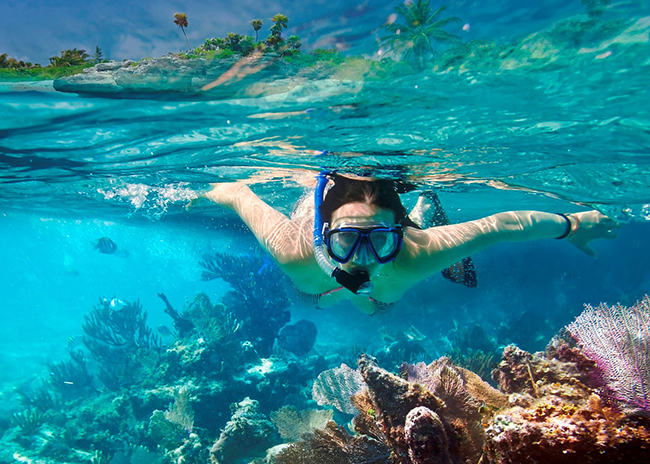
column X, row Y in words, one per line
column 363, row 256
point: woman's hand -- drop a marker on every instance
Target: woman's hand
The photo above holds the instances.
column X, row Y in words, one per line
column 588, row 226
column 223, row 194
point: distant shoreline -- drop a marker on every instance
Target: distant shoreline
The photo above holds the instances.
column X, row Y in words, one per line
column 27, row 86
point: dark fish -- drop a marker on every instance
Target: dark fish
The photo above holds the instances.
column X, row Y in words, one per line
column 106, row 245
column 298, row 338
column 164, row 331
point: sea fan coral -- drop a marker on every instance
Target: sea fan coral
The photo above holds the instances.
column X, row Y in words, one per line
column 618, row 339
column 334, row 387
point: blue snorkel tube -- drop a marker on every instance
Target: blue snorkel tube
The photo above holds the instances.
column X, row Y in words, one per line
column 359, row 282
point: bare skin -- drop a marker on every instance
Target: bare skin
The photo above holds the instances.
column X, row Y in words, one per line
column 423, row 254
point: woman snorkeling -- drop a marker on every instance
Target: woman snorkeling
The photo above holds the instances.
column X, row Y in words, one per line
column 357, row 242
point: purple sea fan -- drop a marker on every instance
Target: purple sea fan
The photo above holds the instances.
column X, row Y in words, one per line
column 617, row 338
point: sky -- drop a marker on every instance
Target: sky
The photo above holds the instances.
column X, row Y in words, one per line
column 34, row 30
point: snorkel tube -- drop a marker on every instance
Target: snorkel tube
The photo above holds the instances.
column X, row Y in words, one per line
column 359, row 282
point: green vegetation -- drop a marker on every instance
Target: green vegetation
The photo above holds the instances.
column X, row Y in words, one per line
column 245, row 45
column 412, row 36
column 69, row 58
column 70, row 62
column 38, row 73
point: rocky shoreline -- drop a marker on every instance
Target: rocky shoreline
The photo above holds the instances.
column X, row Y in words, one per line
column 200, row 78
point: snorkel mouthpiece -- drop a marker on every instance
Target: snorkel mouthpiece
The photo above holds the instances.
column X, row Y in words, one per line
column 359, row 282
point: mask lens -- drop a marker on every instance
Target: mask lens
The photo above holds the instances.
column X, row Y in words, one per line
column 343, row 243
column 384, row 242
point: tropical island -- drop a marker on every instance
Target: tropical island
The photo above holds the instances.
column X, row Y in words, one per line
column 416, row 41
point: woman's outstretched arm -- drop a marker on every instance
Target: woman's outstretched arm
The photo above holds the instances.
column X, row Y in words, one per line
column 285, row 240
column 434, row 249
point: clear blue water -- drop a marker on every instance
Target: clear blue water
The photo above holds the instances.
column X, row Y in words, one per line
column 564, row 138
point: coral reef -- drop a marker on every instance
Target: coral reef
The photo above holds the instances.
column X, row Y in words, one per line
column 556, row 414
column 401, row 419
column 556, row 411
column 215, row 395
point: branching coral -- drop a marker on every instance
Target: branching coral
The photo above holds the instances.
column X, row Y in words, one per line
column 214, row 323
column 257, row 295
column 70, row 378
column 120, row 340
column 29, row 421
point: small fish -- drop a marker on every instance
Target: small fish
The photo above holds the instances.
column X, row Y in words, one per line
column 117, row 305
column 106, row 245
column 164, row 331
column 74, row 341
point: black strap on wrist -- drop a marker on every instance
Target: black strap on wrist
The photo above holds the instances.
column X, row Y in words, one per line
column 568, row 226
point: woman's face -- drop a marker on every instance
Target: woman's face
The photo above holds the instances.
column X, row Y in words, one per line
column 362, row 215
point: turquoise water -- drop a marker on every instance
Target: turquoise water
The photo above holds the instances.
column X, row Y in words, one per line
column 562, row 137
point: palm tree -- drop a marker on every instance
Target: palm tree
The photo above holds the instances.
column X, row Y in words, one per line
column 279, row 22
column 3, row 60
column 257, row 25
column 417, row 31
column 180, row 19
column 72, row 57
column 595, row 8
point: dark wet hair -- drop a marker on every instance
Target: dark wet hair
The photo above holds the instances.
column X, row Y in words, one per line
column 379, row 192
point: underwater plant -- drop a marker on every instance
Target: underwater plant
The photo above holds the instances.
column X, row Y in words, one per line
column 474, row 350
column 617, row 338
column 180, row 19
column 413, row 37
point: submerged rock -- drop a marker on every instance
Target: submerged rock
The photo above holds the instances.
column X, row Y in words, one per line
column 247, row 435
column 299, row 338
